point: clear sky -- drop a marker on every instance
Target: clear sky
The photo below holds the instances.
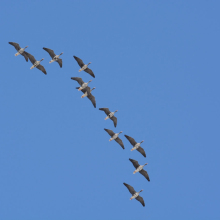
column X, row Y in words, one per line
column 157, row 63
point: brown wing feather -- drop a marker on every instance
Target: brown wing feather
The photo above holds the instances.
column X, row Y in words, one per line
column 145, row 174
column 60, row 62
column 40, row 67
column 16, row 45
column 89, row 71
column 119, row 141
column 135, row 163
column 140, row 199
column 79, row 61
column 110, row 132
column 131, row 140
column 24, row 54
column 130, row 188
column 78, row 79
column 141, row 150
column 92, row 99
column 31, row 58
column 106, row 110
column 51, row 52
column 114, row 119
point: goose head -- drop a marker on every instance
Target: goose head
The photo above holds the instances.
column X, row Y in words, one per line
column 41, row 59
column 61, row 54
column 92, row 89
column 90, row 81
column 120, row 132
column 141, row 142
column 89, row 63
column 25, row 47
column 116, row 111
column 141, row 190
column 145, row 164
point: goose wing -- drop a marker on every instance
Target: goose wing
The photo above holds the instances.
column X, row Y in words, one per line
column 79, row 61
column 92, row 99
column 40, row 67
column 130, row 188
column 141, row 150
column 110, row 132
column 24, row 54
column 78, row 79
column 106, row 110
column 145, row 174
column 31, row 58
column 140, row 199
column 60, row 62
column 131, row 140
column 114, row 119
column 16, row 45
column 119, row 141
column 51, row 52
column 89, row 71
column 135, row 163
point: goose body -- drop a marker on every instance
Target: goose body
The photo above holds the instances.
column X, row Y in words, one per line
column 110, row 115
column 84, row 66
column 135, row 195
column 20, row 50
column 82, row 84
column 36, row 63
column 136, row 146
column 87, row 93
column 139, row 168
column 114, row 136
column 55, row 58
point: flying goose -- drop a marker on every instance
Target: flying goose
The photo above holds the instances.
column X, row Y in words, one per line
column 139, row 168
column 84, row 66
column 54, row 56
column 20, row 50
column 114, row 136
column 136, row 145
column 135, row 195
column 87, row 92
column 36, row 63
column 110, row 115
column 82, row 84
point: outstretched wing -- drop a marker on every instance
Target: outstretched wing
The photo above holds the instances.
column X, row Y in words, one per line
column 110, row 132
column 131, row 140
column 119, row 141
column 16, row 45
column 92, row 99
column 89, row 71
column 140, row 199
column 78, row 79
column 141, row 150
column 31, row 58
column 79, row 61
column 130, row 188
column 25, row 55
column 114, row 119
column 145, row 174
column 106, row 110
column 60, row 62
column 51, row 52
column 135, row 163
column 40, row 67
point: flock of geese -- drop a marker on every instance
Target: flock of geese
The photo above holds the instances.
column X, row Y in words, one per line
column 87, row 93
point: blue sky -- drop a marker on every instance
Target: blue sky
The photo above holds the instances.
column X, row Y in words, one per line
column 157, row 63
